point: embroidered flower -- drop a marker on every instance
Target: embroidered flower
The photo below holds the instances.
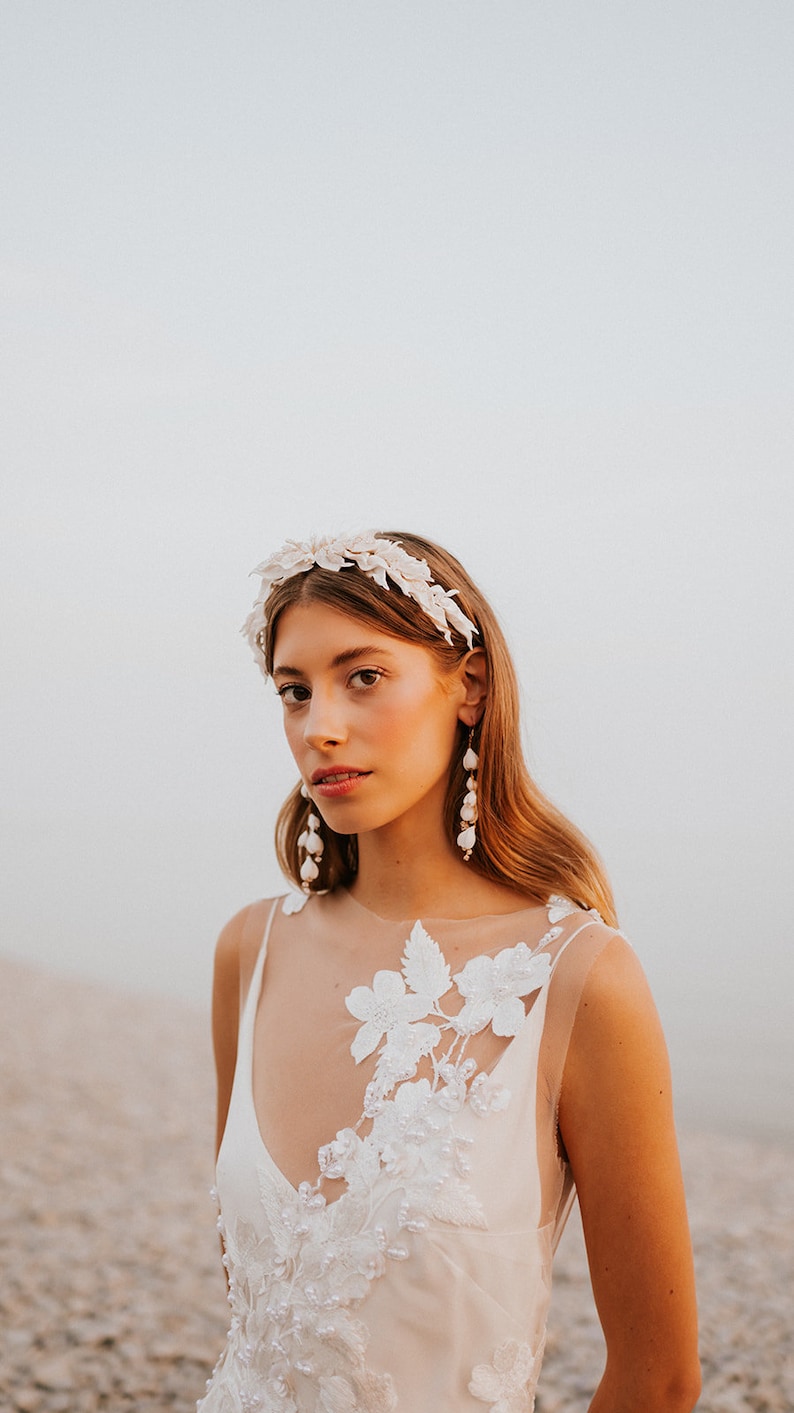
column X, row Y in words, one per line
column 507, row 1384
column 404, row 1048
column 493, row 987
column 403, row 1123
column 405, row 1127
column 456, row 1079
column 381, row 1007
column 335, row 1158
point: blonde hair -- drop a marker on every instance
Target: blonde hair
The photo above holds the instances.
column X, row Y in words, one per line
column 523, row 840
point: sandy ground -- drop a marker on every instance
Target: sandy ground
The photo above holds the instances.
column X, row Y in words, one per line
column 112, row 1294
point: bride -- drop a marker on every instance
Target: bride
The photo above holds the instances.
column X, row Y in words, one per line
column 434, row 1038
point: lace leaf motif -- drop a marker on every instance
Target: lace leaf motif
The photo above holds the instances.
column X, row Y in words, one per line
column 424, row 967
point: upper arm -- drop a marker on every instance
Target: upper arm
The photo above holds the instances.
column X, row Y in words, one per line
column 616, row 1121
column 226, row 1014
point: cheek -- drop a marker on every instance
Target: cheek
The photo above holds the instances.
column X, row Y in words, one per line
column 293, row 734
column 424, row 730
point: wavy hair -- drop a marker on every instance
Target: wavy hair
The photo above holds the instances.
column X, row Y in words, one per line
column 523, row 840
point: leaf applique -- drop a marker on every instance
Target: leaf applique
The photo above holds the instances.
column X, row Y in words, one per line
column 424, row 967
column 455, row 1202
column 559, row 907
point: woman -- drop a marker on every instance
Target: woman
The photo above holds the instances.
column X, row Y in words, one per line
column 438, row 1035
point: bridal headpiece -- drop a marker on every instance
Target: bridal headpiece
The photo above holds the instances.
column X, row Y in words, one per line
column 383, row 560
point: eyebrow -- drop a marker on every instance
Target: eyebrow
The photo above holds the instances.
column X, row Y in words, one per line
column 340, row 660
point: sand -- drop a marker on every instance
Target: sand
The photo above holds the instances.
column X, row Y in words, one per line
column 112, row 1294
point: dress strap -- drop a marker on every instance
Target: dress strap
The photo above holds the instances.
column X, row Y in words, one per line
column 253, row 924
column 581, row 923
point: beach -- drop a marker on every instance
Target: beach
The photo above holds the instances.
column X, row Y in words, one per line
column 112, row 1294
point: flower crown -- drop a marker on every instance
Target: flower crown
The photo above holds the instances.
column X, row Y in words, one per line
column 380, row 559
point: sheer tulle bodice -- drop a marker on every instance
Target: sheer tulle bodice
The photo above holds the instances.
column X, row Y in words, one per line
column 403, row 1260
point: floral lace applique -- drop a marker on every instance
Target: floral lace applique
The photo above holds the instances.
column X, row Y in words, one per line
column 508, row 1382
column 413, row 1121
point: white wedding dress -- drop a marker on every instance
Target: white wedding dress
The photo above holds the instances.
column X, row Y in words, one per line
column 407, row 1264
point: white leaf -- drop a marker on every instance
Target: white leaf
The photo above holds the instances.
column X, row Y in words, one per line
column 366, row 1040
column 559, row 907
column 456, row 1203
column 508, row 1017
column 424, row 967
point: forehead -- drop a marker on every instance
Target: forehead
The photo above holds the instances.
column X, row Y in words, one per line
column 312, row 634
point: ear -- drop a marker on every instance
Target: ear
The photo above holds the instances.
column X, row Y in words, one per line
column 473, row 672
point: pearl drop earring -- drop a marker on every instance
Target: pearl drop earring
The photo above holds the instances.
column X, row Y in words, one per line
column 311, row 841
column 467, row 838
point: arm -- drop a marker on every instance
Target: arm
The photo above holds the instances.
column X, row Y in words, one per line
column 225, row 1015
column 231, row 965
column 616, row 1121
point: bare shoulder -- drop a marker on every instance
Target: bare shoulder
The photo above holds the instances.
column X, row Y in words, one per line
column 616, row 1033
column 615, row 992
column 617, row 1054
column 233, row 936
column 239, row 941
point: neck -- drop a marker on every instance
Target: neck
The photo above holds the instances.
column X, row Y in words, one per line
column 409, row 869
column 398, row 878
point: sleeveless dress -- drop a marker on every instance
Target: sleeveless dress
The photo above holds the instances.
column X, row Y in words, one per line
column 411, row 1269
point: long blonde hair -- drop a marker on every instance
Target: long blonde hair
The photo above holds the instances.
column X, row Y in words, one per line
column 523, row 840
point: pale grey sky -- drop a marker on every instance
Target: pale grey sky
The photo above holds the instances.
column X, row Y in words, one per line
column 515, row 275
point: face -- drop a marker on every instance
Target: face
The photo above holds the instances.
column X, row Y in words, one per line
column 371, row 720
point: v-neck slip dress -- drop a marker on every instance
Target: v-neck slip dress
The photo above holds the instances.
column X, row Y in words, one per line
column 411, row 1268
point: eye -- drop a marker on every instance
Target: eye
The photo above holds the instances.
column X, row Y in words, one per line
column 294, row 694
column 365, row 677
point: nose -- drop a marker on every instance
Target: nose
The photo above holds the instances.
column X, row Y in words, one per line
column 324, row 722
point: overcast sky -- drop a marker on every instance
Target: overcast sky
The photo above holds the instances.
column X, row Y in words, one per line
column 515, row 275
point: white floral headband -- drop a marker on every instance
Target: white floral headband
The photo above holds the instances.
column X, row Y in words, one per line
column 382, row 560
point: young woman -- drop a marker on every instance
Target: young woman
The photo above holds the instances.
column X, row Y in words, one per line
column 422, row 1051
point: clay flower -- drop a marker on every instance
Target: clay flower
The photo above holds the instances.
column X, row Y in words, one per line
column 381, row 1007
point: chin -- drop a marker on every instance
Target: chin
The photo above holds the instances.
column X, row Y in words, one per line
column 353, row 819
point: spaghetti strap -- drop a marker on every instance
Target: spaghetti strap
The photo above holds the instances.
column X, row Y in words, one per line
column 250, row 930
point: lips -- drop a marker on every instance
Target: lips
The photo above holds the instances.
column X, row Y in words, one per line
column 342, row 780
column 339, row 772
